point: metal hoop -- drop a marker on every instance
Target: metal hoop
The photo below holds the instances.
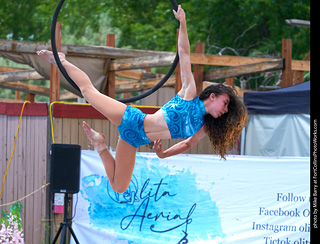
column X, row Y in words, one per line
column 65, row 74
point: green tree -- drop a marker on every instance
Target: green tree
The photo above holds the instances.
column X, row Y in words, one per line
column 248, row 26
column 17, row 19
column 245, row 25
column 237, row 27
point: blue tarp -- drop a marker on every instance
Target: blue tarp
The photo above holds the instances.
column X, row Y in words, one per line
column 290, row 100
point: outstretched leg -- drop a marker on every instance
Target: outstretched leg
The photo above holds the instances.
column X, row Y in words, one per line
column 119, row 169
column 109, row 107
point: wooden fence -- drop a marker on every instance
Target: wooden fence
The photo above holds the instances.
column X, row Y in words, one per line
column 119, row 61
column 28, row 170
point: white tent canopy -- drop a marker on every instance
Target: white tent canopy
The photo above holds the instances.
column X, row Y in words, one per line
column 278, row 123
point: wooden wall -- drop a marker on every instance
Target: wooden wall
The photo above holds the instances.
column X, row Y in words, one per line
column 28, row 169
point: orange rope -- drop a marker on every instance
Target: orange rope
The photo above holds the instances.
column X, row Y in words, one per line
column 14, row 147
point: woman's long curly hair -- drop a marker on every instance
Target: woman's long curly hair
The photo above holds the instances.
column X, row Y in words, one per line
column 224, row 131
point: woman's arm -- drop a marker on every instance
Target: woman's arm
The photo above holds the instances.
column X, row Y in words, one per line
column 180, row 147
column 188, row 90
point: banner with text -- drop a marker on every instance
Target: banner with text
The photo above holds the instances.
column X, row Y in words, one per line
column 196, row 199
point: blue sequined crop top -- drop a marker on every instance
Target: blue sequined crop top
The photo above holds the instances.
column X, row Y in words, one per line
column 184, row 118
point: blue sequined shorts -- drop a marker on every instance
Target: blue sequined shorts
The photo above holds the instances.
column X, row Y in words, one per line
column 131, row 128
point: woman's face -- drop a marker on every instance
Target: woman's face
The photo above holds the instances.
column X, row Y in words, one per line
column 219, row 104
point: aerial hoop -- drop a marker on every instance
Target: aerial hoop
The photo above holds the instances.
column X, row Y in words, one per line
column 65, row 74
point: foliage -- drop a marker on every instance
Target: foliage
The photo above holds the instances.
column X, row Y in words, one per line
column 248, row 26
column 237, row 27
column 15, row 210
column 11, row 230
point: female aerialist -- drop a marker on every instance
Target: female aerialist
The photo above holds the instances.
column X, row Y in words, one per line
column 217, row 112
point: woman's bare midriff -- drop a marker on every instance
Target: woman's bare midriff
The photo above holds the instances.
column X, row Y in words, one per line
column 155, row 126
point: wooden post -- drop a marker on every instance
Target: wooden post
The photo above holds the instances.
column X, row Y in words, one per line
column 18, row 95
column 178, row 71
column 298, row 75
column 198, row 68
column 287, row 56
column 111, row 82
column 30, row 97
column 230, row 81
column 54, row 70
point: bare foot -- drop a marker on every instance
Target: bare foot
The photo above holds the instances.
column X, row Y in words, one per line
column 97, row 139
column 48, row 55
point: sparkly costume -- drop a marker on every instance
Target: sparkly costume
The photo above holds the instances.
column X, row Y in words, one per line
column 184, row 119
column 131, row 128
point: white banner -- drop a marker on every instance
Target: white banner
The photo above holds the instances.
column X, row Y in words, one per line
column 196, row 199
